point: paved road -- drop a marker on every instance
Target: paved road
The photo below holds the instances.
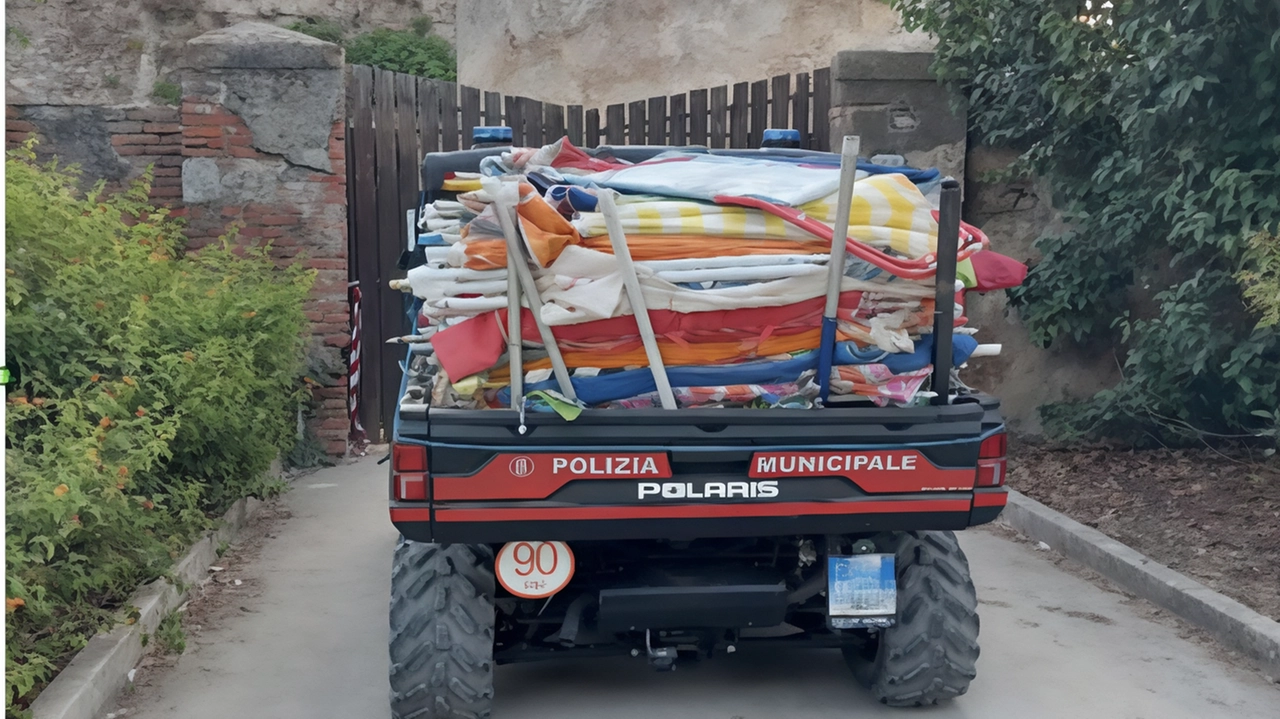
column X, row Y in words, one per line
column 312, row 645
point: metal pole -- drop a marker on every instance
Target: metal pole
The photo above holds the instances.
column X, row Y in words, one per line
column 944, row 297
column 636, row 295
column 515, row 248
column 835, row 266
column 515, row 355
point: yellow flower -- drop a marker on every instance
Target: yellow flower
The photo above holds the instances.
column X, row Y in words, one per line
column 129, row 381
column 247, row 315
column 60, row 490
column 11, row 604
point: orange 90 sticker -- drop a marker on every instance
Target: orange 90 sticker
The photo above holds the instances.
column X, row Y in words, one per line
column 534, row 570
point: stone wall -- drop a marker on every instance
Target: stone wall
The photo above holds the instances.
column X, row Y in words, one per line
column 257, row 144
column 72, row 52
column 596, row 52
column 1014, row 214
column 891, row 101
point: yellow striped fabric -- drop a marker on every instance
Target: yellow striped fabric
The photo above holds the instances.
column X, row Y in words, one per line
column 888, row 212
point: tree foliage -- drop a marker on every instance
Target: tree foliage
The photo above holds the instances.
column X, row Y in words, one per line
column 414, row 51
column 1157, row 125
column 154, row 388
column 405, row 51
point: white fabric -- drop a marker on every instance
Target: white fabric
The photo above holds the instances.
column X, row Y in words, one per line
column 706, row 263
column 702, row 177
column 585, row 285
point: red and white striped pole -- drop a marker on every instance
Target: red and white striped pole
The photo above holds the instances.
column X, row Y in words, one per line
column 353, row 368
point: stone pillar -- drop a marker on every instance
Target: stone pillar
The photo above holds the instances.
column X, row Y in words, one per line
column 892, row 101
column 263, row 147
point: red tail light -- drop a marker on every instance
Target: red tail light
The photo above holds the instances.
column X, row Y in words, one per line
column 991, row 460
column 408, row 472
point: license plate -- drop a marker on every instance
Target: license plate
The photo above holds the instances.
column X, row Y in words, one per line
column 862, row 591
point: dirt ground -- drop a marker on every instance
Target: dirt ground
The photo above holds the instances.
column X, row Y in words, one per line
column 1212, row 516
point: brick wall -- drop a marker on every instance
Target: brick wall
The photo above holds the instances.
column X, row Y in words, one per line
column 302, row 214
column 303, row 217
column 137, row 138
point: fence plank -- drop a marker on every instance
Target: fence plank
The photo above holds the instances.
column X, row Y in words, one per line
column 363, row 231
column 717, row 123
column 800, row 108
column 514, row 120
column 493, row 109
column 679, row 118
column 428, row 115
column 591, row 134
column 574, row 129
column 821, row 107
column 657, row 124
column 448, row 116
column 615, row 128
column 391, row 237
column 739, row 117
column 533, row 136
column 636, row 123
column 759, row 112
column 470, row 104
column 780, row 104
column 406, row 133
column 698, row 117
column 554, row 123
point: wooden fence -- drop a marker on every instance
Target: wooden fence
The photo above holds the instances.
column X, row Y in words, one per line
column 394, row 119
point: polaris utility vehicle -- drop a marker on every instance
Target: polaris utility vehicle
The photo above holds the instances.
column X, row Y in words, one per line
column 673, row 535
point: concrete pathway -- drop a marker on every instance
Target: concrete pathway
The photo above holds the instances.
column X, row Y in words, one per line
column 313, row 645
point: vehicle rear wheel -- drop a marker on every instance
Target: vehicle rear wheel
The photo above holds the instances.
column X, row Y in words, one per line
column 441, row 643
column 931, row 653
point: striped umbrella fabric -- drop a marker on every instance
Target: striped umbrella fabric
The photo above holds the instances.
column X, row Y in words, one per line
column 353, row 369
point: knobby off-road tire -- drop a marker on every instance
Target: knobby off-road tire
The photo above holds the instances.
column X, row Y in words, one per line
column 442, row 619
column 931, row 653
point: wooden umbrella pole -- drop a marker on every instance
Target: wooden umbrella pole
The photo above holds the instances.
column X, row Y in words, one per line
column 835, row 266
column 515, row 249
column 636, row 296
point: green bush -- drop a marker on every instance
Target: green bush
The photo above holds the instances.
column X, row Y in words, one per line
column 319, row 28
column 1261, row 278
column 153, row 389
column 404, row 51
column 1156, row 124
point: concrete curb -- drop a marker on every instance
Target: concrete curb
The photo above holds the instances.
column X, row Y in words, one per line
column 99, row 671
column 1232, row 623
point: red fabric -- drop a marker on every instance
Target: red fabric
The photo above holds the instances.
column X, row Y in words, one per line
column 693, row 327
column 475, row 344
column 994, row 271
column 469, row 347
column 572, row 157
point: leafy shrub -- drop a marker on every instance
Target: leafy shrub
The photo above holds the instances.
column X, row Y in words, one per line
column 154, row 389
column 404, row 51
column 168, row 93
column 319, row 28
column 1262, row 278
column 1156, row 124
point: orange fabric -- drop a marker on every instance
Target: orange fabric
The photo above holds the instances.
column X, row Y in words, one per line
column 674, row 354
column 492, row 254
column 546, row 232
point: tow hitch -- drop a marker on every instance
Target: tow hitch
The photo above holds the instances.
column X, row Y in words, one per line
column 662, row 659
